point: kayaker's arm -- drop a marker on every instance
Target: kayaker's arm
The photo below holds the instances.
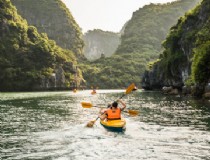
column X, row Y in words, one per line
column 123, row 104
column 103, row 115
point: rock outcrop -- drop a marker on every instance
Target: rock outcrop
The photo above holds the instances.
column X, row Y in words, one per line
column 28, row 59
column 186, row 55
column 55, row 19
column 100, row 43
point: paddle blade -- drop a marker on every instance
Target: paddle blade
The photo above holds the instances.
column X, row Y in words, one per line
column 90, row 124
column 86, row 104
column 130, row 88
column 133, row 112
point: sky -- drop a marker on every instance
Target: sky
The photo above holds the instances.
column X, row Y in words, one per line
column 107, row 15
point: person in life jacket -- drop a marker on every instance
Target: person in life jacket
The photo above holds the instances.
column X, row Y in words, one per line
column 93, row 91
column 113, row 112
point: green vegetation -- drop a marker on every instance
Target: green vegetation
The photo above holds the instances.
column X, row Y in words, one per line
column 28, row 58
column 201, row 59
column 149, row 26
column 151, row 64
column 140, row 43
column 187, row 47
column 53, row 17
column 201, row 63
column 109, row 76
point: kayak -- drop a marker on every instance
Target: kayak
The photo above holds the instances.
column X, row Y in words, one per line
column 114, row 125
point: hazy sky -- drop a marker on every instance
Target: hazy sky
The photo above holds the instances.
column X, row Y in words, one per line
column 108, row 15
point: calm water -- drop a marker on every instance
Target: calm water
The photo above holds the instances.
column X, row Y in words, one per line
column 51, row 125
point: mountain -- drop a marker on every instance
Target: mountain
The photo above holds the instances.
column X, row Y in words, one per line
column 100, row 43
column 140, row 43
column 29, row 60
column 54, row 18
column 149, row 26
column 186, row 56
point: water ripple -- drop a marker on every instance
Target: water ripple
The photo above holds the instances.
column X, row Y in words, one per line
column 51, row 125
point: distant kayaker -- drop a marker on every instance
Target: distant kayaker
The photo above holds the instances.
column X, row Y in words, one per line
column 93, row 91
column 135, row 88
column 113, row 112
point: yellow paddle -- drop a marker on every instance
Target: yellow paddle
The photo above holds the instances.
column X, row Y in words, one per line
column 128, row 90
column 90, row 105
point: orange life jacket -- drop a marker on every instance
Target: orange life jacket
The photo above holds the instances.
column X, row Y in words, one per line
column 113, row 114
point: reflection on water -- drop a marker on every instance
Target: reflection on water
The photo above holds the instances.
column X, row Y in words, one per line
column 50, row 125
column 174, row 111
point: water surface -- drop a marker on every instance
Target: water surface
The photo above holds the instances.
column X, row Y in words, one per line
column 51, row 125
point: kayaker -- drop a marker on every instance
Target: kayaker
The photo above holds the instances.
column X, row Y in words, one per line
column 103, row 110
column 113, row 112
column 93, row 91
column 135, row 88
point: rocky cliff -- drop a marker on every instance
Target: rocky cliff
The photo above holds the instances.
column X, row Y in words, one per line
column 185, row 60
column 53, row 17
column 29, row 60
column 140, row 43
column 100, row 43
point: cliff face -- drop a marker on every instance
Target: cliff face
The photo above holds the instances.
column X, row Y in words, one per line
column 149, row 26
column 29, row 60
column 98, row 43
column 186, row 56
column 52, row 17
column 140, row 43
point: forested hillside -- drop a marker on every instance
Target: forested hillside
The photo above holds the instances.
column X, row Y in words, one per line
column 29, row 60
column 149, row 26
column 186, row 56
column 52, row 17
column 140, row 43
column 100, row 43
